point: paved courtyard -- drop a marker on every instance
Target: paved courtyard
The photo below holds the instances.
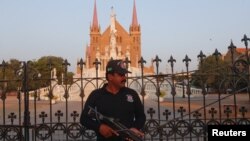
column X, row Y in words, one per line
column 11, row 105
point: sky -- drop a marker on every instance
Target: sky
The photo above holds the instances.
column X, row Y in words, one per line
column 30, row 29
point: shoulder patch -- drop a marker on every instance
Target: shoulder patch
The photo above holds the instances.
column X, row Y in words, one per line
column 130, row 98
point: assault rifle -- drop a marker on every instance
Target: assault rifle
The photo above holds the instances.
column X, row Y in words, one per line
column 116, row 125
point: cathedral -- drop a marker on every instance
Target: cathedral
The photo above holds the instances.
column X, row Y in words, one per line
column 114, row 43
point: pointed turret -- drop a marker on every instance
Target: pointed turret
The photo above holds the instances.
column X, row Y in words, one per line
column 134, row 27
column 134, row 16
column 95, row 20
column 95, row 24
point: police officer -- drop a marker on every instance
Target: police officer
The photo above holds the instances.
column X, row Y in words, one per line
column 116, row 101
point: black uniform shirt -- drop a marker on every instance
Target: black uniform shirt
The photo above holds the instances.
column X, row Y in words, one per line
column 125, row 106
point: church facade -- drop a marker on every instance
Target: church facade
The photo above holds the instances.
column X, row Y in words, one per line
column 114, row 43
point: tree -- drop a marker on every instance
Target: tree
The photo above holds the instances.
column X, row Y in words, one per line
column 11, row 73
column 210, row 72
column 46, row 64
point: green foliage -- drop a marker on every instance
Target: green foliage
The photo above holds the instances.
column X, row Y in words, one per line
column 210, row 72
column 10, row 71
column 162, row 93
column 219, row 74
column 38, row 73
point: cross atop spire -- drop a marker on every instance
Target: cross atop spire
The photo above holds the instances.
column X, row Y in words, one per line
column 95, row 20
column 112, row 12
column 134, row 16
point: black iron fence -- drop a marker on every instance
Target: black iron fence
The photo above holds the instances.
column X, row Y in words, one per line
column 52, row 113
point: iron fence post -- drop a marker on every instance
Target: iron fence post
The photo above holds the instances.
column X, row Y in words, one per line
column 66, row 95
column 127, row 61
column 157, row 60
column 183, row 84
column 142, row 62
column 173, row 92
column 3, row 91
column 96, row 63
column 187, row 60
column 173, row 89
column 217, row 54
column 232, row 49
column 245, row 39
column 201, row 56
column 80, row 64
column 26, row 119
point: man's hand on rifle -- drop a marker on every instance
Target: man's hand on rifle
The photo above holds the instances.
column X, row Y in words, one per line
column 107, row 131
column 137, row 132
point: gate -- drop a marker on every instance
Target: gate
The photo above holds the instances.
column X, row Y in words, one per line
column 51, row 112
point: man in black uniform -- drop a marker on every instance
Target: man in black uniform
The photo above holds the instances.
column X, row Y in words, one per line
column 116, row 101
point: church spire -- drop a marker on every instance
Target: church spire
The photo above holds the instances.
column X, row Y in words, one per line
column 112, row 34
column 95, row 20
column 134, row 16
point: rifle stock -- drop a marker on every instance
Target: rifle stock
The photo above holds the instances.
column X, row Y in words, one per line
column 119, row 127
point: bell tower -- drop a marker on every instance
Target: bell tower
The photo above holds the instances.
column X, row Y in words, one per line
column 95, row 36
column 135, row 36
